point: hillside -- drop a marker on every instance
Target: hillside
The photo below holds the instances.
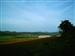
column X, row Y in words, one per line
column 21, row 46
column 39, row 47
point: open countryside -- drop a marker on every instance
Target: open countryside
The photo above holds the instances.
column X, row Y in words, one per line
column 37, row 28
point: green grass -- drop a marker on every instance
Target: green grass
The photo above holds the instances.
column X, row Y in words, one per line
column 17, row 38
column 39, row 47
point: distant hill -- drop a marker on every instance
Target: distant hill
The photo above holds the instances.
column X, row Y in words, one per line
column 34, row 33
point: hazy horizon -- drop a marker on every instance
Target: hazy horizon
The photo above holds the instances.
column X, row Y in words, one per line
column 35, row 16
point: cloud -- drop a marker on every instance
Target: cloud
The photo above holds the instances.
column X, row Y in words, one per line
column 34, row 16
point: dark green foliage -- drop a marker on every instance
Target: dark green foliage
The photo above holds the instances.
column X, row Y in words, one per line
column 67, row 29
column 7, row 33
column 66, row 26
column 24, row 34
column 68, row 34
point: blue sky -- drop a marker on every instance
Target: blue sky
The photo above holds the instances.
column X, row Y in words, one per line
column 35, row 15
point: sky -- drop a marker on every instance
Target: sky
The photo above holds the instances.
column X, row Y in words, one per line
column 35, row 15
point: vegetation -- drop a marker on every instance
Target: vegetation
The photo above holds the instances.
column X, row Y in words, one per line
column 7, row 35
column 54, row 46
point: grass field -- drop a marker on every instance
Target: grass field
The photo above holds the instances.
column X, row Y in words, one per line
column 11, row 37
column 14, row 39
column 33, row 46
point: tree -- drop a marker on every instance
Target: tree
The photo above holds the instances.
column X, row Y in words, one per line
column 66, row 26
column 67, row 29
